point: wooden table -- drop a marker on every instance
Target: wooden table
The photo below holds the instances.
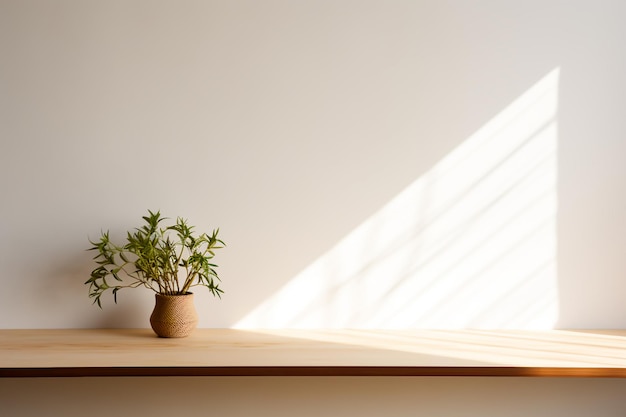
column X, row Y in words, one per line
column 229, row 352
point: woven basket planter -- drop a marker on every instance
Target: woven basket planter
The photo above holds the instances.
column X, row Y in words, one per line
column 174, row 315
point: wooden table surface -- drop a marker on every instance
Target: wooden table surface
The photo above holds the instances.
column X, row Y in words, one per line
column 230, row 352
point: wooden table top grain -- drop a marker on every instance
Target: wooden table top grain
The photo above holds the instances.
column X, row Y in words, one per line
column 234, row 352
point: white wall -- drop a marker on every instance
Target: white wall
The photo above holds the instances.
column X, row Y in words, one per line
column 289, row 124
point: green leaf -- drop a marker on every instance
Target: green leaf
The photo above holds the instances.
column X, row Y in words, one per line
column 161, row 256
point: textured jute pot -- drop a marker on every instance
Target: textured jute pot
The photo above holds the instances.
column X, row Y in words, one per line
column 174, row 315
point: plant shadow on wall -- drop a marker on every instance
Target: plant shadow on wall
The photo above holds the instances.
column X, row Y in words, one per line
column 471, row 243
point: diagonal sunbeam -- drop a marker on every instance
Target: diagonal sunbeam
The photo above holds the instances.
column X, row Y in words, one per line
column 469, row 244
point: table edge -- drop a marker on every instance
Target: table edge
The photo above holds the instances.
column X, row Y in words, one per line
column 314, row 371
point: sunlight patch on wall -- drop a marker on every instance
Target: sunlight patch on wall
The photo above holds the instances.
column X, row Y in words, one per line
column 469, row 244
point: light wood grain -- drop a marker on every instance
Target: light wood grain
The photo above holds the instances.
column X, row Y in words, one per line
column 315, row 352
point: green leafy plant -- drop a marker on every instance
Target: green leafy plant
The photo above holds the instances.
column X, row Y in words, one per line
column 167, row 260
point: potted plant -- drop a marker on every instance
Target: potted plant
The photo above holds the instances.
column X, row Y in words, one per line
column 168, row 260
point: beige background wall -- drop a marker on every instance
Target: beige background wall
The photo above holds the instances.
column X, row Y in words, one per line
column 289, row 124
